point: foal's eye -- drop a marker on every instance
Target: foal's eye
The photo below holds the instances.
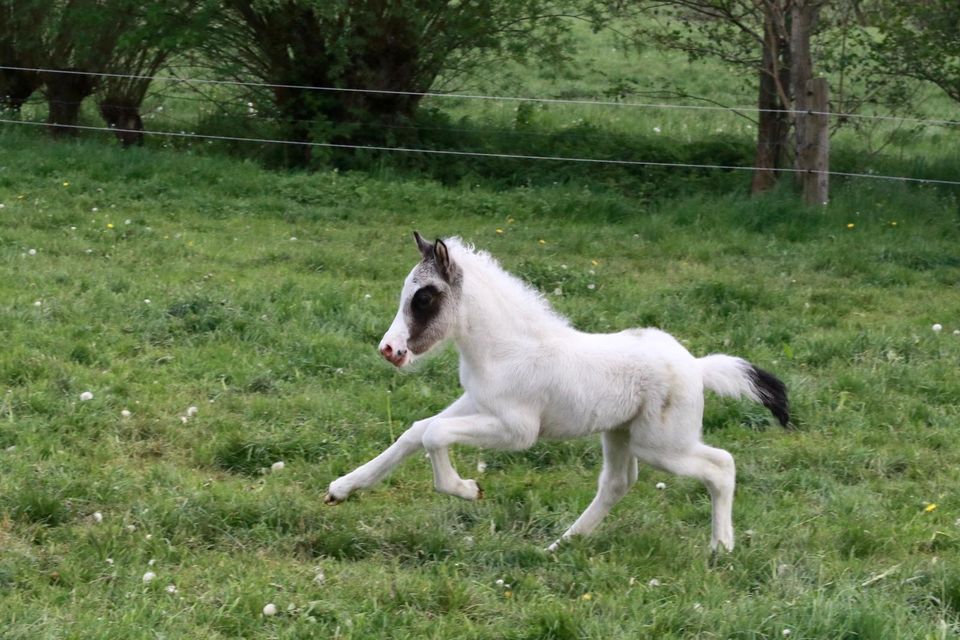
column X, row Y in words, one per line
column 423, row 299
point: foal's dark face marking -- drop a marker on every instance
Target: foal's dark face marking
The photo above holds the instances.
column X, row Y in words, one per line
column 431, row 309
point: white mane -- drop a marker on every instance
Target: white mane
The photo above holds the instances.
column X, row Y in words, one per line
column 522, row 299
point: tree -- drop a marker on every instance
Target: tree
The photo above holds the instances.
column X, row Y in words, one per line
column 393, row 48
column 769, row 38
column 154, row 33
column 921, row 40
column 75, row 40
column 20, row 46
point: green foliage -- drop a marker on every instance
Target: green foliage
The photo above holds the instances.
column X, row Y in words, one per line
column 921, row 40
column 387, row 48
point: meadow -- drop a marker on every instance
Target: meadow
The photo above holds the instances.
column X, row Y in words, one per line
column 224, row 317
column 157, row 281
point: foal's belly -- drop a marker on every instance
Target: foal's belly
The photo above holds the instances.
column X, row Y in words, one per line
column 575, row 416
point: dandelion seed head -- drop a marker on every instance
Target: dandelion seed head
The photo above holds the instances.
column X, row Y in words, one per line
column 149, row 577
column 97, row 516
column 270, row 610
column 192, row 411
column 86, row 395
column 661, row 486
column 126, row 413
column 277, row 466
column 31, row 252
column 937, row 327
column 171, row 589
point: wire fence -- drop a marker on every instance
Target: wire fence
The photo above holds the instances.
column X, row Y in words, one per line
column 254, row 114
column 500, row 98
column 481, row 154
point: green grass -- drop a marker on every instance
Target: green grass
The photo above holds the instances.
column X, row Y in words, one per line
column 273, row 339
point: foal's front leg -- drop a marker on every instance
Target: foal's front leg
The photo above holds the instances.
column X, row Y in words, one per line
column 406, row 445
column 478, row 430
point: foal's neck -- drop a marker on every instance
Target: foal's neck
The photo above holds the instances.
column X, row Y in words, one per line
column 500, row 318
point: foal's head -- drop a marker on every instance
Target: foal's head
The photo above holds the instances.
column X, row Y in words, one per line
column 428, row 305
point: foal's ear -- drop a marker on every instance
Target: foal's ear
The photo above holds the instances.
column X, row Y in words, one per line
column 442, row 256
column 426, row 249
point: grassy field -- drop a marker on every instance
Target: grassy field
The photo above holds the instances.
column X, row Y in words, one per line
column 160, row 281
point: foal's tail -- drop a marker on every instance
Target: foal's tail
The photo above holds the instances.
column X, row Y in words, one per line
column 737, row 378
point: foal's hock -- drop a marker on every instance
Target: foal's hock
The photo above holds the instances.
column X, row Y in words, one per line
column 527, row 374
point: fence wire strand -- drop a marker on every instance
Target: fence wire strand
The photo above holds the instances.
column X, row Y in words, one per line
column 465, row 96
column 482, row 154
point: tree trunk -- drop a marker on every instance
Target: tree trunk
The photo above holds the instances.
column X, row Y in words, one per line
column 123, row 114
column 773, row 125
column 802, row 16
column 65, row 93
column 16, row 87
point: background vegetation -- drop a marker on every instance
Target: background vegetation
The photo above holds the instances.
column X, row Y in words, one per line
column 190, row 273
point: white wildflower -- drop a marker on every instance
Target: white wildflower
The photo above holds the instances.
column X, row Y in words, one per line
column 937, row 328
column 97, row 516
column 277, row 466
column 149, row 576
column 86, row 395
column 270, row 610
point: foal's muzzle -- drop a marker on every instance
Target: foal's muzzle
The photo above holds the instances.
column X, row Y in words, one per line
column 396, row 357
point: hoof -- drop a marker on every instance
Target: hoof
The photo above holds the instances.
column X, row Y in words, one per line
column 331, row 500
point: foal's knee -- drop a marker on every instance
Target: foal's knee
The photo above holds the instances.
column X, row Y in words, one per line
column 433, row 438
column 722, row 467
column 614, row 485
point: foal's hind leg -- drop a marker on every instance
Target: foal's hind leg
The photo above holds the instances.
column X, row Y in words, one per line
column 715, row 468
column 618, row 475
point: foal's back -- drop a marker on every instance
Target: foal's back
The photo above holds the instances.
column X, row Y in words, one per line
column 589, row 382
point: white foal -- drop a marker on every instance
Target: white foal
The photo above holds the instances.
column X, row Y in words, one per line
column 527, row 374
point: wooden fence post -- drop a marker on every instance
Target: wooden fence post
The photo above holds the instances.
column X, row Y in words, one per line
column 814, row 152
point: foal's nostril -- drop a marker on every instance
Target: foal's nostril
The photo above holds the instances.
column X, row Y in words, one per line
column 387, row 351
